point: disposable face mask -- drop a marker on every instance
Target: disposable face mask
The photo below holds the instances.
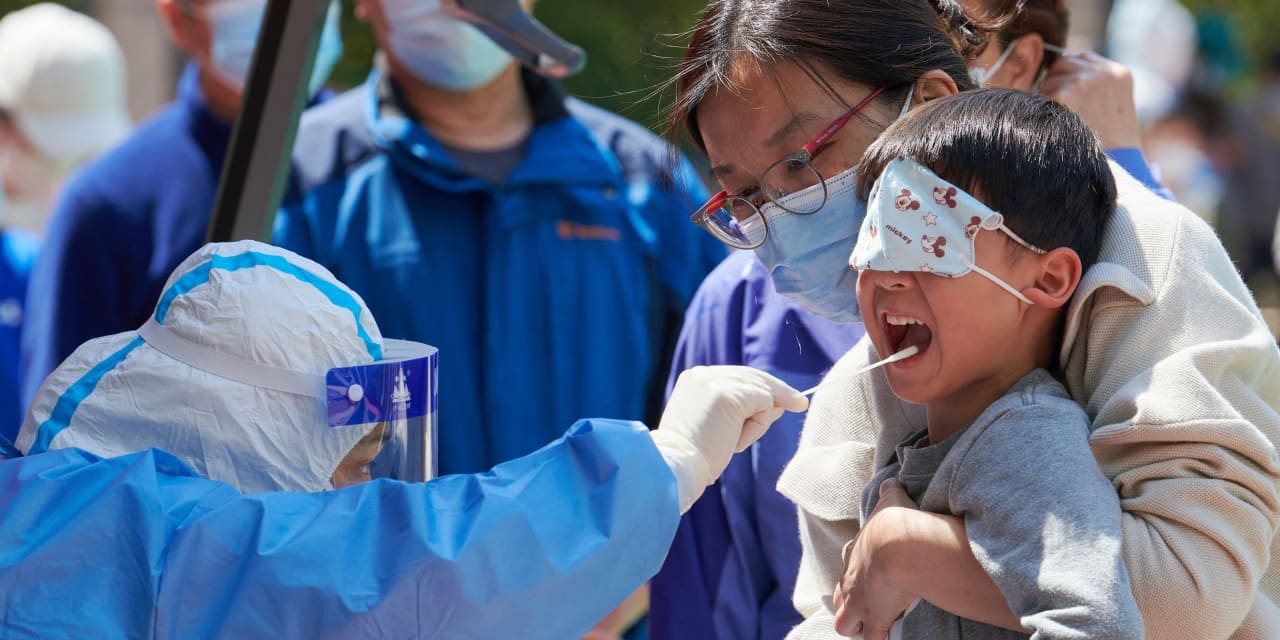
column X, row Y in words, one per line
column 808, row 255
column 29, row 189
column 917, row 221
column 981, row 76
column 443, row 51
column 236, row 24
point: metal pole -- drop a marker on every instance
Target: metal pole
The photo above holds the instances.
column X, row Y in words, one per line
column 260, row 155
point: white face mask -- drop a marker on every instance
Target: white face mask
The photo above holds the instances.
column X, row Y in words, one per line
column 916, row 221
column 443, row 51
column 982, row 76
column 235, row 26
column 31, row 183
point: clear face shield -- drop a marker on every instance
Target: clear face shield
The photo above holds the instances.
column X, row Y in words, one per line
column 395, row 400
column 399, row 396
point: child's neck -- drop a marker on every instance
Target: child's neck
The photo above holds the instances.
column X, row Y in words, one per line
column 949, row 415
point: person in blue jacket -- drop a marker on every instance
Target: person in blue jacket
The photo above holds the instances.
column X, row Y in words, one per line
column 151, row 544
column 542, row 244
column 127, row 219
column 18, row 251
column 732, row 567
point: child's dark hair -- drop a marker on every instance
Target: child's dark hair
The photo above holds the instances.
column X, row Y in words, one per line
column 1023, row 155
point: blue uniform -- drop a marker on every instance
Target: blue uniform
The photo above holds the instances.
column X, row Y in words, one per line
column 141, row 547
column 551, row 296
column 732, row 567
column 18, row 251
column 121, row 226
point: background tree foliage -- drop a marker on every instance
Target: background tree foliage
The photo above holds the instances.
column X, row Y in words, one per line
column 632, row 48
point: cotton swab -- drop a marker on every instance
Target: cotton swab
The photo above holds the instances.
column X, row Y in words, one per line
column 905, row 353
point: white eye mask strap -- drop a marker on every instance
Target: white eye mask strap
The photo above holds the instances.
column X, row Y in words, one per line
column 996, row 223
column 1001, row 283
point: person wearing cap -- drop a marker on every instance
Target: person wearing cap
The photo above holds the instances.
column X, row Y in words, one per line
column 541, row 243
column 149, row 543
column 62, row 101
column 125, row 221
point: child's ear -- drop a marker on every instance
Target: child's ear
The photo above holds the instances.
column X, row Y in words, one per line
column 1059, row 273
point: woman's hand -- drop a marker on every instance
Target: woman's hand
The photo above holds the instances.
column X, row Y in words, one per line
column 867, row 599
column 1101, row 91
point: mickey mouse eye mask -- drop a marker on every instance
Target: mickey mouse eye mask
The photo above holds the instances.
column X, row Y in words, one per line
column 916, row 221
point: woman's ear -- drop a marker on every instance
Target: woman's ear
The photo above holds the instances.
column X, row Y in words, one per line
column 1023, row 66
column 1059, row 274
column 935, row 83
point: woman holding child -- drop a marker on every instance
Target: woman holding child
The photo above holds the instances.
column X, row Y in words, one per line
column 1183, row 407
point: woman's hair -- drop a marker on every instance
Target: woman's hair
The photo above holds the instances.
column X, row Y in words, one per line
column 1024, row 155
column 875, row 43
column 1050, row 19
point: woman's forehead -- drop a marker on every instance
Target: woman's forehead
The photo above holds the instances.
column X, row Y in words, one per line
column 767, row 112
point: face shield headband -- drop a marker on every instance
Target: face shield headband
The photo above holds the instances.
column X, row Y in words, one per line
column 398, row 394
column 916, row 221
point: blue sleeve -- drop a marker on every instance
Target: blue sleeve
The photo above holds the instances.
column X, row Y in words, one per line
column 683, row 595
column 136, row 546
column 1132, row 161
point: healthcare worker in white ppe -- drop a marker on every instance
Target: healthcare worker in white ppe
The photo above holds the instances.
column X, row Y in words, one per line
column 143, row 545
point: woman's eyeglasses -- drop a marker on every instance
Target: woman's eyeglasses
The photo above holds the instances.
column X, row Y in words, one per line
column 737, row 220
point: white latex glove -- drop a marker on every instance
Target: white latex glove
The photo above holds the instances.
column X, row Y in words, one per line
column 714, row 412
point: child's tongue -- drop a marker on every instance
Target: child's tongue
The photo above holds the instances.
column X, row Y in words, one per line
column 916, row 334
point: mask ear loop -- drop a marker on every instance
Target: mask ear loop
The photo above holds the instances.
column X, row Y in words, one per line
column 995, row 222
column 981, row 76
column 1044, row 71
column 906, row 106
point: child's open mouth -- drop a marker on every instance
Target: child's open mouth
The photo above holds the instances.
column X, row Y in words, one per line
column 904, row 331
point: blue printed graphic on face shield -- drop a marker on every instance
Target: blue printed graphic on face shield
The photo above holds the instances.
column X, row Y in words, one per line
column 808, row 256
column 398, row 394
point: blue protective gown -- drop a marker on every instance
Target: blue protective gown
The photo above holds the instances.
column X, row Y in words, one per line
column 732, row 567
column 18, row 251
column 555, row 295
column 141, row 547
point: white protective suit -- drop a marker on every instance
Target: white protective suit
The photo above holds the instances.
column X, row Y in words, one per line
column 118, row 394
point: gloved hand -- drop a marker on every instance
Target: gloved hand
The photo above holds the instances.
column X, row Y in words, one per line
column 714, row 412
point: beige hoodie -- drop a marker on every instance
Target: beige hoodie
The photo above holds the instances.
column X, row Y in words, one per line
column 1167, row 351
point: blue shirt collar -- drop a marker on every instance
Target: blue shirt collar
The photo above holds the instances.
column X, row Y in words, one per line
column 560, row 149
column 211, row 133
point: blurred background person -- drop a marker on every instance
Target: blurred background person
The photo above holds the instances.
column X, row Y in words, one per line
column 130, row 217
column 541, row 243
column 62, row 101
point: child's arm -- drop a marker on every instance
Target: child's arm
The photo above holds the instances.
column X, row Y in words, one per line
column 1045, row 523
column 904, row 553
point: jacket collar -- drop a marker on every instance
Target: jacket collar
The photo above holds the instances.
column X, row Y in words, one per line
column 211, row 133
column 560, row 149
column 1143, row 219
